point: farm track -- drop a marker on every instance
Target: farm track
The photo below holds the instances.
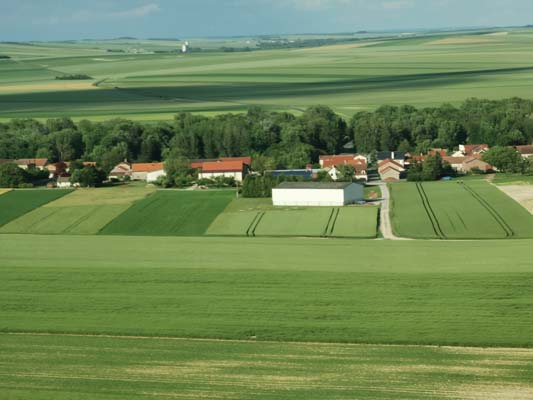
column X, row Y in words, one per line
column 429, row 211
column 497, row 217
column 251, row 340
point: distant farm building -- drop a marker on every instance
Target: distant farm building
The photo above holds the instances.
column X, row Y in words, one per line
column 468, row 164
column 236, row 169
column 396, row 156
column 121, row 171
column 525, row 151
column 306, row 174
column 334, row 162
column 466, row 150
column 63, row 182
column 317, row 194
column 25, row 163
column 391, row 170
column 140, row 171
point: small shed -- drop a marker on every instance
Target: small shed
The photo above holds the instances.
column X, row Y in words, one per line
column 317, row 194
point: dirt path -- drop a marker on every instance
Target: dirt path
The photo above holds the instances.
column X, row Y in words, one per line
column 385, row 221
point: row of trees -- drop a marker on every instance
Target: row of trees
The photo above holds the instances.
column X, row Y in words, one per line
column 274, row 140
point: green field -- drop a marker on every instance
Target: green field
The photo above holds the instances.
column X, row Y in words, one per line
column 349, row 77
column 266, row 220
column 457, row 210
column 16, row 203
column 62, row 367
column 171, row 213
column 272, row 289
column 407, row 293
column 84, row 211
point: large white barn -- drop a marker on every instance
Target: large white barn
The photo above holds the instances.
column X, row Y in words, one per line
column 317, row 194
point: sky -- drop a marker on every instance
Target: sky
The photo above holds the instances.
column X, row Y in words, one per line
column 98, row 19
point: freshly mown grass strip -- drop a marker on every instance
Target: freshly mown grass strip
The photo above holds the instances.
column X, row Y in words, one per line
column 171, row 213
column 272, row 289
column 309, row 222
column 16, row 203
column 40, row 367
column 85, row 211
column 456, row 210
column 356, row 222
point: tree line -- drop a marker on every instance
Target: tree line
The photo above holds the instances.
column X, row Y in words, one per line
column 275, row 140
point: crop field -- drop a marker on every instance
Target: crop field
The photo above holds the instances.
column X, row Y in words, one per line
column 84, row 211
column 363, row 75
column 270, row 289
column 3, row 191
column 171, row 212
column 457, row 210
column 349, row 222
column 144, row 368
column 149, row 299
column 16, row 203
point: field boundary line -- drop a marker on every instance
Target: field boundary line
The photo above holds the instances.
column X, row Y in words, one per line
column 194, row 339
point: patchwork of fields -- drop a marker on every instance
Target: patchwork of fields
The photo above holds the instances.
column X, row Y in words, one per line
column 421, row 71
column 84, row 211
column 16, row 203
column 457, row 210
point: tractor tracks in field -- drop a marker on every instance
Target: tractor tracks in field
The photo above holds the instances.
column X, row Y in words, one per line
column 491, row 210
column 430, row 212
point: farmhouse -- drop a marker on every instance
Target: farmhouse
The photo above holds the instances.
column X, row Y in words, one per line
column 317, row 194
column 140, row 171
column 63, row 182
column 25, row 163
column 390, row 170
column 121, row 170
column 471, row 150
column 525, row 151
column 357, row 161
column 154, row 175
column 233, row 168
column 396, row 156
column 468, row 164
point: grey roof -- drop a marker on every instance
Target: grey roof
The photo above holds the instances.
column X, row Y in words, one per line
column 314, row 185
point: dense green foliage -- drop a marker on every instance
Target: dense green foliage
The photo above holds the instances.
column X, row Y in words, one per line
column 73, row 77
column 171, row 213
column 11, row 176
column 141, row 368
column 16, row 203
column 464, row 293
column 431, row 169
column 457, row 210
column 506, row 159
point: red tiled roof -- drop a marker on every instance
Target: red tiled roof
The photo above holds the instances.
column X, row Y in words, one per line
column 389, row 161
column 223, row 166
column 475, row 148
column 335, row 161
column 38, row 162
column 245, row 160
column 453, row 160
column 147, row 167
column 441, row 152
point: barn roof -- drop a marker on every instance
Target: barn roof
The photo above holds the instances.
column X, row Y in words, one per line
column 314, row 185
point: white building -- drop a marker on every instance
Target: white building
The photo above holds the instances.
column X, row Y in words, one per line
column 317, row 194
column 231, row 168
column 63, row 182
column 154, row 175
